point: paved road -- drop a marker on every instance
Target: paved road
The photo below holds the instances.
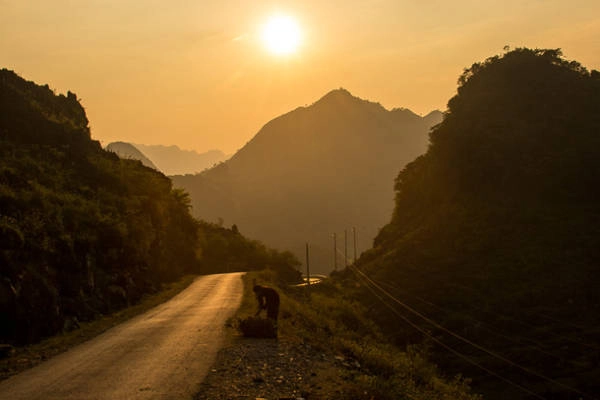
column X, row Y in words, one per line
column 162, row 354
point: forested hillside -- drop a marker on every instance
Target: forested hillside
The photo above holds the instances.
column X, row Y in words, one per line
column 312, row 172
column 83, row 232
column 496, row 232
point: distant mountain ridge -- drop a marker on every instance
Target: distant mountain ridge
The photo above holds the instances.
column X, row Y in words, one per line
column 312, row 172
column 129, row 151
column 172, row 160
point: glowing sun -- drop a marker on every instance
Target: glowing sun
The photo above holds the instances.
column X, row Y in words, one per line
column 281, row 35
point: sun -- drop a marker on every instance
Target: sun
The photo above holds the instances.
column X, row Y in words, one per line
column 281, row 35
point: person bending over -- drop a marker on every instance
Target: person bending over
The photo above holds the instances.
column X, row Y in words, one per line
column 268, row 299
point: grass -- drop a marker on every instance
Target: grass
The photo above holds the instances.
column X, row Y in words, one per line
column 334, row 324
column 29, row 356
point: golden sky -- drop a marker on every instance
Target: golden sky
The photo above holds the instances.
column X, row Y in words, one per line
column 194, row 72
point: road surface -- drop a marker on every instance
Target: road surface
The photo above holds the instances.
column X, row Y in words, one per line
column 162, row 354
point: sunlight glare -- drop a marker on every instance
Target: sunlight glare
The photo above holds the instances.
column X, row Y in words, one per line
column 281, row 35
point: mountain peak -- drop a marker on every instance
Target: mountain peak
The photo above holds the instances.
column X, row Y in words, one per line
column 128, row 151
column 434, row 118
column 340, row 95
column 313, row 168
column 341, row 99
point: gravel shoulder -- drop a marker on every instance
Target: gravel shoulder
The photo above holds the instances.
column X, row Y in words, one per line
column 277, row 369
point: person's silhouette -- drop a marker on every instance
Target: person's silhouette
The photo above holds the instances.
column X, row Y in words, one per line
column 268, row 299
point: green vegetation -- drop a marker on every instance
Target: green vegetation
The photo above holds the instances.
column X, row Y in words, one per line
column 496, row 232
column 313, row 171
column 333, row 323
column 84, row 233
column 226, row 250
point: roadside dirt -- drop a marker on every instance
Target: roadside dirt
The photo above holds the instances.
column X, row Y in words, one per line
column 278, row 369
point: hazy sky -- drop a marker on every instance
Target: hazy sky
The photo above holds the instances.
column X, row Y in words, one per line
column 195, row 73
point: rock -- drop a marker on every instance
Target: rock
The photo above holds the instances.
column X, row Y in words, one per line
column 258, row 328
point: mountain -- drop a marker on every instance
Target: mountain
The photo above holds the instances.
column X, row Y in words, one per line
column 84, row 233
column 312, row 172
column 433, row 118
column 495, row 235
column 128, row 151
column 172, row 160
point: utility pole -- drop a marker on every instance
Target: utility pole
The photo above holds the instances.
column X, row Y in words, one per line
column 307, row 271
column 345, row 247
column 354, row 232
column 334, row 252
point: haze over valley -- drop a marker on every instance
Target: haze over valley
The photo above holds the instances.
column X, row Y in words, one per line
column 313, row 172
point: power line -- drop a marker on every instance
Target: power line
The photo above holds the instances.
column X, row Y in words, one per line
column 573, row 340
column 535, row 345
column 518, row 321
column 477, row 346
column 341, row 255
column 439, row 342
column 581, row 328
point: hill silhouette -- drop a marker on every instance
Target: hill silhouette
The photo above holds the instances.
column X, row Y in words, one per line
column 312, row 172
column 84, row 233
column 495, row 234
column 129, row 151
column 171, row 160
